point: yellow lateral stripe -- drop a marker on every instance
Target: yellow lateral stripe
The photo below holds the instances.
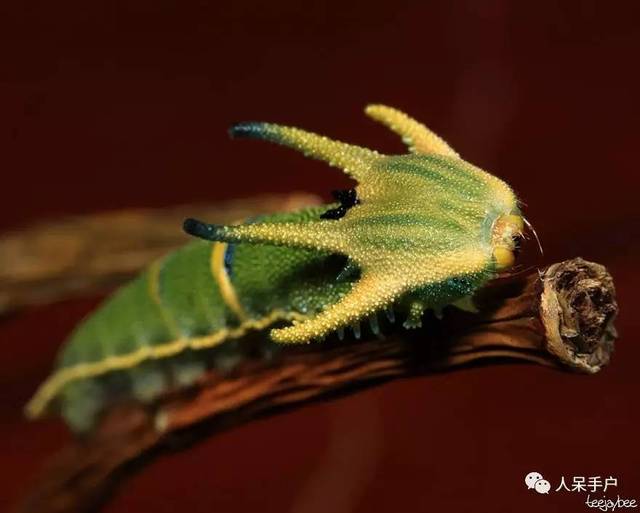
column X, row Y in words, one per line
column 54, row 384
column 154, row 292
column 219, row 272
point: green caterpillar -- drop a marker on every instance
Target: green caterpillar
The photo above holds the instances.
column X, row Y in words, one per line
column 421, row 231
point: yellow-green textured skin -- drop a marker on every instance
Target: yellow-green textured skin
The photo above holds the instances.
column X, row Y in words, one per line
column 425, row 220
column 429, row 229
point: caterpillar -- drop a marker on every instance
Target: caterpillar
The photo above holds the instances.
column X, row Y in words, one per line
column 420, row 230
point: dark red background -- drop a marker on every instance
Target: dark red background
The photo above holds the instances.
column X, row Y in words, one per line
column 106, row 105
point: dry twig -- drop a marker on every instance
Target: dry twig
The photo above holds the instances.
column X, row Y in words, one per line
column 562, row 317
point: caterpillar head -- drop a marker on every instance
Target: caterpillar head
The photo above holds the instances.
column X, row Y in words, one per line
column 505, row 239
column 423, row 220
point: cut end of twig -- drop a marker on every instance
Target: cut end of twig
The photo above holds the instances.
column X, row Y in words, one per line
column 578, row 307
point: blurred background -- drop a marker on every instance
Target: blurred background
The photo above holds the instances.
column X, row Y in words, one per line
column 106, row 105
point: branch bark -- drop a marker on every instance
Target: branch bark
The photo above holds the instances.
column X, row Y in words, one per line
column 561, row 317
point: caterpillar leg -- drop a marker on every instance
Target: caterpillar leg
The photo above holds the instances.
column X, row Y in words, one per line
column 414, row 134
column 368, row 296
column 354, row 160
column 414, row 316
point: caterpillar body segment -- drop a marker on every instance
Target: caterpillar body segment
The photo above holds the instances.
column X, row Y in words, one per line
column 420, row 231
column 162, row 330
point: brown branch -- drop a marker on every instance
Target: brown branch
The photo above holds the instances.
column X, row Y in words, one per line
column 91, row 254
column 562, row 318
